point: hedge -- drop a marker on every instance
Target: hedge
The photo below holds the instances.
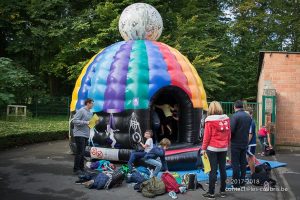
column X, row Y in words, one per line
column 13, row 140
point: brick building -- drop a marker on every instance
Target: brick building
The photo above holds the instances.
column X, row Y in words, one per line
column 281, row 71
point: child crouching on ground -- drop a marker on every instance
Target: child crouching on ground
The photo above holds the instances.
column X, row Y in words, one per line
column 158, row 151
column 140, row 154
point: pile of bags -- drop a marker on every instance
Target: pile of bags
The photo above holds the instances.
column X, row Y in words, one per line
column 170, row 183
column 106, row 176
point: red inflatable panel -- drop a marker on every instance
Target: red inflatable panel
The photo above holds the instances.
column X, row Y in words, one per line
column 177, row 151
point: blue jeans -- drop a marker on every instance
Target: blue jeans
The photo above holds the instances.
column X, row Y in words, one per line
column 239, row 164
column 134, row 156
column 155, row 163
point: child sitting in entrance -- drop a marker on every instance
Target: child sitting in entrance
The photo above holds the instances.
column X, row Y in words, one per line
column 140, row 154
column 158, row 151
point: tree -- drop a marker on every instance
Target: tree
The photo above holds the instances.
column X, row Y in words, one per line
column 53, row 39
column 195, row 28
column 255, row 26
column 15, row 82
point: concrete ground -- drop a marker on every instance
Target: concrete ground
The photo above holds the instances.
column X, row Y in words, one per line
column 44, row 171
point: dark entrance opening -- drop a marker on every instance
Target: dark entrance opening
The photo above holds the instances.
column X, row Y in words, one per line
column 185, row 129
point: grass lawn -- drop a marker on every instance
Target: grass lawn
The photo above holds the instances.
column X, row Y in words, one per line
column 16, row 132
column 43, row 124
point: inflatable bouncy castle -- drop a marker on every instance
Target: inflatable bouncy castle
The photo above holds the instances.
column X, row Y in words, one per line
column 129, row 80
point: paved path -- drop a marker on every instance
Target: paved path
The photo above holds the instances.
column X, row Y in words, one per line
column 44, row 171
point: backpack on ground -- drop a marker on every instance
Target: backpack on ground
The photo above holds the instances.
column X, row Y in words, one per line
column 269, row 152
column 264, row 167
column 190, row 181
column 115, row 179
column 177, row 177
column 262, row 175
column 135, row 177
column 100, row 181
column 124, row 168
column 153, row 187
column 261, row 178
column 144, row 170
column 170, row 182
column 87, row 176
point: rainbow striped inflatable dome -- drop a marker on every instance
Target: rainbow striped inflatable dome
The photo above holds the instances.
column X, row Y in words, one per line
column 127, row 74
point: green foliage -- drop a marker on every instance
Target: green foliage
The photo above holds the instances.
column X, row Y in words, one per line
column 15, row 140
column 14, row 81
column 54, row 39
column 31, row 130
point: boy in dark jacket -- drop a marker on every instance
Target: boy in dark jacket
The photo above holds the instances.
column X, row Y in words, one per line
column 154, row 153
column 240, row 123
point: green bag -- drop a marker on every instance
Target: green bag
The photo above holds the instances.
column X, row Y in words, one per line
column 153, row 187
column 125, row 169
column 177, row 177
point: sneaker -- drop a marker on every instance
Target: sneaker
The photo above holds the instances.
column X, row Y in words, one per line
column 173, row 195
column 182, row 189
column 88, row 164
column 222, row 194
column 151, row 173
column 88, row 159
column 89, row 184
column 208, row 195
column 80, row 181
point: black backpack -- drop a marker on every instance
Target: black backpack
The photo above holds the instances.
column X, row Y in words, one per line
column 262, row 175
column 269, row 152
column 263, row 167
column 115, row 179
column 261, row 178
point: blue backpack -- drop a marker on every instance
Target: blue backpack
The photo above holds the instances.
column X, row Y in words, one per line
column 135, row 177
column 100, row 181
column 144, row 170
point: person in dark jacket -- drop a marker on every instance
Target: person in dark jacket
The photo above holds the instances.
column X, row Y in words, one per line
column 158, row 152
column 240, row 123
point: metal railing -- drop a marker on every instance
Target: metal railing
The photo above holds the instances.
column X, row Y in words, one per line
column 228, row 108
column 53, row 106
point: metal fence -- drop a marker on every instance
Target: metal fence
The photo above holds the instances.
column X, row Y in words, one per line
column 60, row 106
column 54, row 106
column 228, row 108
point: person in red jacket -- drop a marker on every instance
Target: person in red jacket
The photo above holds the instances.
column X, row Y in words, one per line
column 215, row 145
